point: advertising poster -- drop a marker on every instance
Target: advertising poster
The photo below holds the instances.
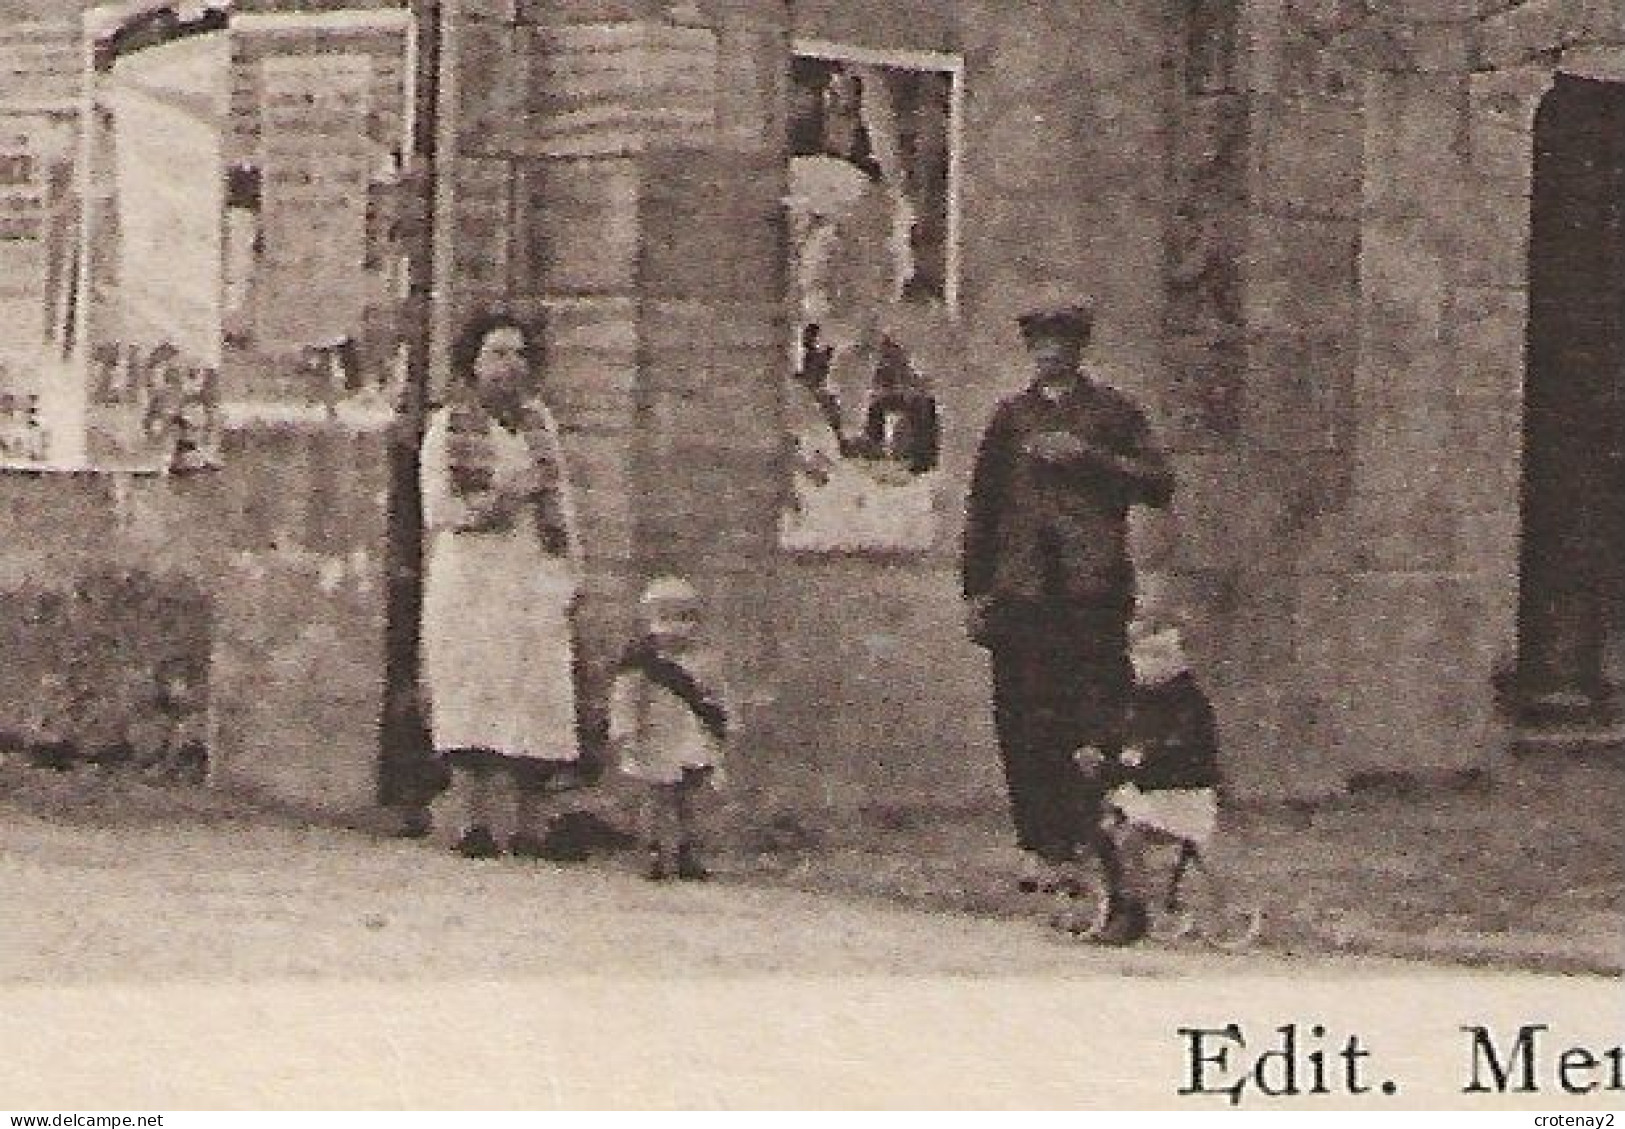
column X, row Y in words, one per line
column 871, row 212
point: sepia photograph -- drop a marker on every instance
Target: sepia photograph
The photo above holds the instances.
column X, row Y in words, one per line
column 812, row 555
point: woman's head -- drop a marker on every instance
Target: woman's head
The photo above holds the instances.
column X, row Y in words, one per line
column 494, row 357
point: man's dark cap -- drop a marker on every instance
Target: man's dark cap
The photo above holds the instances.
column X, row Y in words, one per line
column 1071, row 323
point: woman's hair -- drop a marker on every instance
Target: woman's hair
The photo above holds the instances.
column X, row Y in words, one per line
column 465, row 350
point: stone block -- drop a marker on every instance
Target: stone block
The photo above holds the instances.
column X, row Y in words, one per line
column 896, row 25
column 614, row 88
column 1501, row 153
column 1404, row 291
column 601, row 476
column 579, row 222
column 1437, row 11
column 590, row 391
column 1211, row 147
column 1301, row 274
column 1299, row 393
column 712, row 228
column 1494, row 238
column 1310, row 156
column 482, row 221
column 1308, row 511
column 1535, row 28
column 864, row 633
column 751, row 80
column 1224, row 511
column 490, row 79
column 1437, row 48
column 1415, row 141
column 1501, row 106
column 731, row 327
column 1423, row 656
column 1415, row 528
column 564, row 12
column 1485, row 464
column 599, row 324
column 1488, row 328
column 1201, row 407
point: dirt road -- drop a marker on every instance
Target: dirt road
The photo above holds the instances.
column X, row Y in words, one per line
column 245, row 902
column 262, row 966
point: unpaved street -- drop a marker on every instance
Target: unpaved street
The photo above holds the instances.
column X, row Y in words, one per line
column 253, row 901
column 263, row 966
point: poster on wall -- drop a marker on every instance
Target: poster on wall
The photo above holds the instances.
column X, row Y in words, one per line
column 153, row 386
column 316, row 161
column 32, row 151
column 873, row 212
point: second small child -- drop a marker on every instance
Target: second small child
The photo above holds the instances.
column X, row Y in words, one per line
column 669, row 723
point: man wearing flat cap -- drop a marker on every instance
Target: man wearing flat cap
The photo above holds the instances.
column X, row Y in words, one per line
column 1050, row 586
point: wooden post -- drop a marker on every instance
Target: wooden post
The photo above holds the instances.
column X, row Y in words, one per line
column 407, row 777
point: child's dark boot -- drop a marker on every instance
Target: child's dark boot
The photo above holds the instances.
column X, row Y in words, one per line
column 478, row 843
column 689, row 866
column 661, row 865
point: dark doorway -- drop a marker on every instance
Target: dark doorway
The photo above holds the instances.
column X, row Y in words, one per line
column 1571, row 568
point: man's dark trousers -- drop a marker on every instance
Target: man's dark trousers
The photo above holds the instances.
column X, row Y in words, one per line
column 1061, row 680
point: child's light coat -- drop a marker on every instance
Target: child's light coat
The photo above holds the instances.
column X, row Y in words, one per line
column 655, row 733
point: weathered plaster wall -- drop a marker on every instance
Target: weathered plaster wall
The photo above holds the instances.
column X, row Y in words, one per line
column 286, row 546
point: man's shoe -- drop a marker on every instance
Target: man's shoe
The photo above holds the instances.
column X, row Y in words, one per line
column 523, row 846
column 561, row 846
column 478, row 843
column 1126, row 923
column 415, row 823
column 689, row 866
column 659, row 869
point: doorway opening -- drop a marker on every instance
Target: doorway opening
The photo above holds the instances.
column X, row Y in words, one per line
column 1571, row 598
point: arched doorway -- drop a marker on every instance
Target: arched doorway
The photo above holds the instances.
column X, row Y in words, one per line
column 1571, row 600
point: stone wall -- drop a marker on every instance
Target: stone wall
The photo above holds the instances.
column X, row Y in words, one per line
column 287, row 543
column 612, row 172
column 1374, row 449
column 286, row 546
column 1314, row 275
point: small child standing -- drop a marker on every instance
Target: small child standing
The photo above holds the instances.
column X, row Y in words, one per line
column 669, row 723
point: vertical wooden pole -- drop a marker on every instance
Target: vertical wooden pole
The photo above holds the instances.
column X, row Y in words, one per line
column 407, row 777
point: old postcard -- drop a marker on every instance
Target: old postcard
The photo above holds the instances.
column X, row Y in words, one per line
column 804, row 554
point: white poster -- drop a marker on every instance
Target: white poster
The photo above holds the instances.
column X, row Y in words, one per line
column 32, row 151
column 154, row 388
column 316, row 160
column 872, row 203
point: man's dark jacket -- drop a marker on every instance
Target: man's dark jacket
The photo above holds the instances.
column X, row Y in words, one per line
column 1056, row 533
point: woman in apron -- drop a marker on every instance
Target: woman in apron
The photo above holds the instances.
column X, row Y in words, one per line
column 501, row 579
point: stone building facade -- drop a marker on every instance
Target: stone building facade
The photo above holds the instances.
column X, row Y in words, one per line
column 1307, row 227
column 1314, row 231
